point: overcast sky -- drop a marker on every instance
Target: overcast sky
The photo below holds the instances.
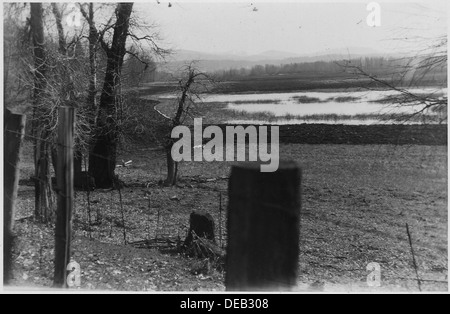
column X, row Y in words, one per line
column 294, row 26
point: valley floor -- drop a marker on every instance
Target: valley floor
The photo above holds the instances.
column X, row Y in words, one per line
column 356, row 201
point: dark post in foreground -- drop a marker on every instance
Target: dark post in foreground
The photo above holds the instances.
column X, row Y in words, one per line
column 65, row 191
column 263, row 228
column 14, row 130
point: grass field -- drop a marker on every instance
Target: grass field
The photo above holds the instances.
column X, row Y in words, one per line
column 356, row 201
column 355, row 204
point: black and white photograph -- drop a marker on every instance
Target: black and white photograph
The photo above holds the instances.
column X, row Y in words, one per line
column 205, row 148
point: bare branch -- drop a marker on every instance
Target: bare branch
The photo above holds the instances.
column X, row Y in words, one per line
column 134, row 55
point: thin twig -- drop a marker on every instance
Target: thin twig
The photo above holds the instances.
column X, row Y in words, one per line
column 148, row 216
column 88, row 196
column 157, row 224
column 122, row 213
column 112, row 213
column 220, row 219
column 414, row 259
column 422, row 280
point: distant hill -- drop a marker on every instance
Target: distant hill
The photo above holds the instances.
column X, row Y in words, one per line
column 210, row 62
column 188, row 55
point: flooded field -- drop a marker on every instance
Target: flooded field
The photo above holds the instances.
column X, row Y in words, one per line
column 341, row 107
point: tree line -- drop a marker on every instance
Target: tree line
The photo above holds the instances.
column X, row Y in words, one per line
column 373, row 65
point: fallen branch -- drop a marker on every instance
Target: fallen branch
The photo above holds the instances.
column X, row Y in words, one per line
column 422, row 280
column 124, row 164
column 204, row 248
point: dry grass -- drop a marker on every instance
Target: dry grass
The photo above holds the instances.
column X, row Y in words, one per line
column 355, row 203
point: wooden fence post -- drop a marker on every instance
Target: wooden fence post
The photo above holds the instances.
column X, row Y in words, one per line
column 65, row 173
column 263, row 228
column 14, row 130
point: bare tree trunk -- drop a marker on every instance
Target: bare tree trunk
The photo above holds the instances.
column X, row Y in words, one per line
column 102, row 161
column 92, row 90
column 59, row 26
column 78, row 165
column 93, row 42
column 44, row 196
column 172, row 168
column 14, row 129
column 93, row 39
column 62, row 49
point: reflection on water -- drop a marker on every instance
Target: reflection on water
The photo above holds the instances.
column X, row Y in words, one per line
column 298, row 105
column 322, row 103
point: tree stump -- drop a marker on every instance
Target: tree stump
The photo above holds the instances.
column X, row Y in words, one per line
column 202, row 225
column 201, row 241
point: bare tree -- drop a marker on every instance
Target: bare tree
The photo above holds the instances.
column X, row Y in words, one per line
column 44, row 196
column 190, row 86
column 103, row 155
column 427, row 68
column 14, row 129
column 55, row 71
column 68, row 96
column 139, row 67
column 93, row 39
column 102, row 161
column 17, row 59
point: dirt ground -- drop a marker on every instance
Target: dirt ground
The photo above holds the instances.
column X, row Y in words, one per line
column 356, row 201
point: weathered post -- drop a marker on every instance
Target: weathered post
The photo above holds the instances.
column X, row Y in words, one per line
column 263, row 228
column 14, row 130
column 63, row 228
